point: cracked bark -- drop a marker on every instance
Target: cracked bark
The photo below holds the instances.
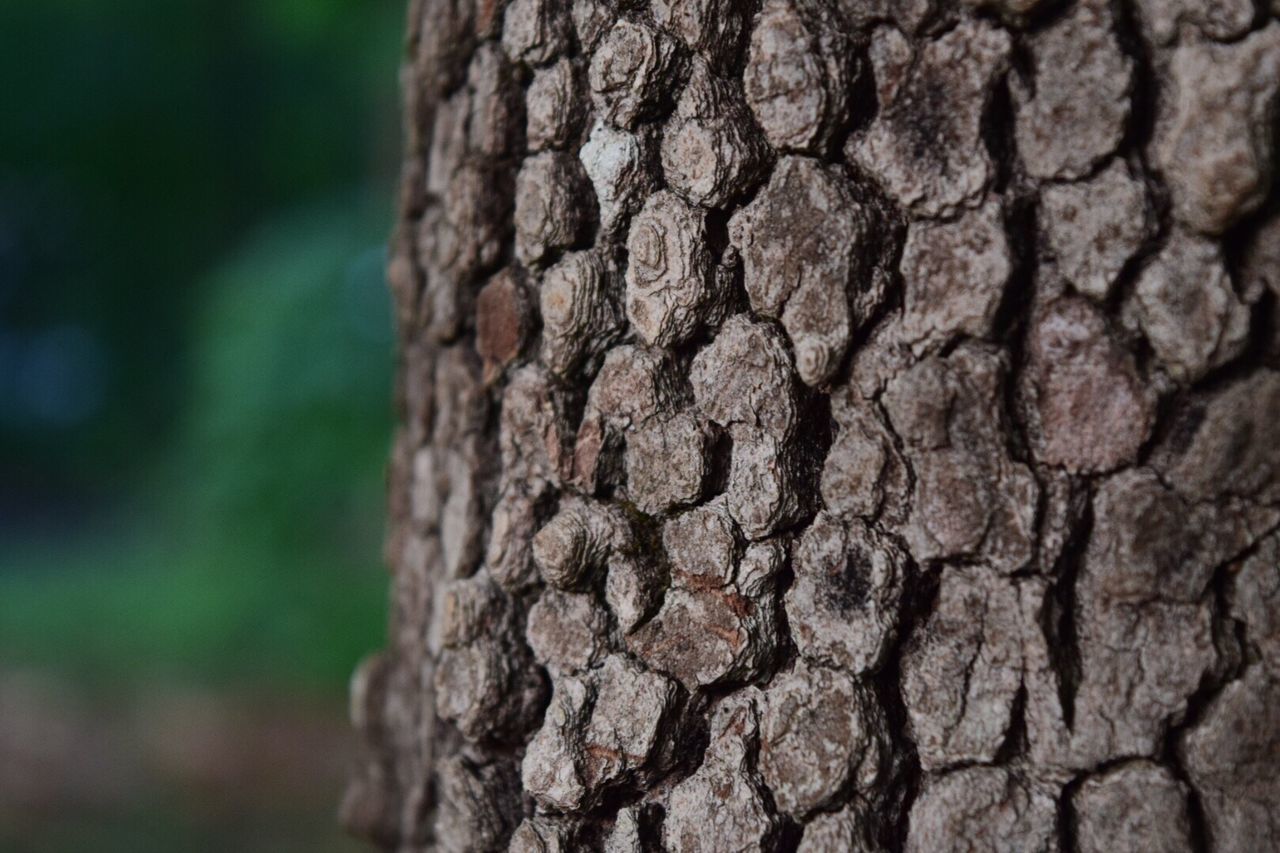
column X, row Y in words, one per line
column 833, row 425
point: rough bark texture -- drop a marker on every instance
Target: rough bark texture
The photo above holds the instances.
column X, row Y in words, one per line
column 833, row 425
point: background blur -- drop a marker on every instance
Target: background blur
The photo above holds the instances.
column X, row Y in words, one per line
column 195, row 375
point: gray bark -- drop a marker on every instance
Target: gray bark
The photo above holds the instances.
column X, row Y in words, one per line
column 833, row 425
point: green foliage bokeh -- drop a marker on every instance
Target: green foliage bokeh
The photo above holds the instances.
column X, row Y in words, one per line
column 200, row 188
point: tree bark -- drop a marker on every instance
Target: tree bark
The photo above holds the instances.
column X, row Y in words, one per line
column 833, row 425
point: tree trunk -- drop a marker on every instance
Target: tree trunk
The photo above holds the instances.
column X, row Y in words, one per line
column 833, row 425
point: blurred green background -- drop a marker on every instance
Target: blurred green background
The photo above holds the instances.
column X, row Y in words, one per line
column 195, row 374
